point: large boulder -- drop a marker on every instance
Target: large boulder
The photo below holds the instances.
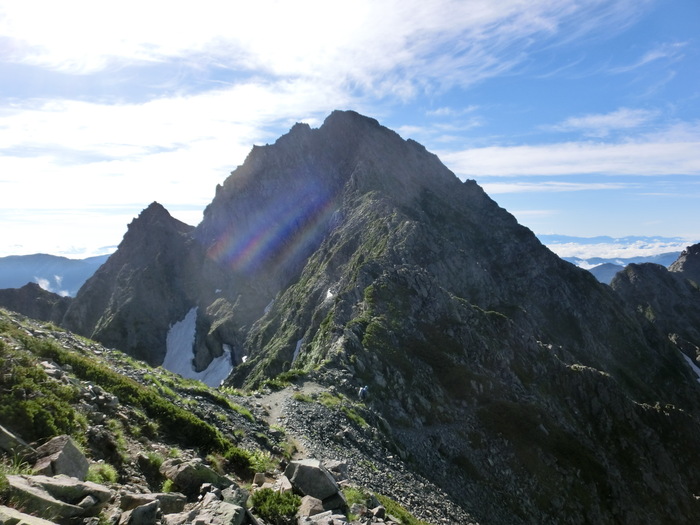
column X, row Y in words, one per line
column 189, row 476
column 58, row 498
column 61, row 456
column 310, row 478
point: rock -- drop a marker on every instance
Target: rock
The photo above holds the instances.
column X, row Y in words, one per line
column 310, row 478
column 61, row 456
column 189, row 476
column 338, row 469
column 10, row 516
column 169, row 502
column 283, row 484
column 236, row 495
column 310, row 506
column 208, row 511
column 14, row 445
column 142, row 515
column 335, row 502
column 58, row 497
column 259, row 479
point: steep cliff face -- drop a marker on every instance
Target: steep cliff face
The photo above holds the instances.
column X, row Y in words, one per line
column 143, row 288
column 531, row 392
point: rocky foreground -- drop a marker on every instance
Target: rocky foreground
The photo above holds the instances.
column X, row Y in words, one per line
column 310, row 441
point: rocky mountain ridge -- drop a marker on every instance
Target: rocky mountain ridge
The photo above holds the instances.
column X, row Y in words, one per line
column 515, row 382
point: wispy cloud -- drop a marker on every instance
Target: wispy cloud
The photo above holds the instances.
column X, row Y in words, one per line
column 668, row 51
column 495, row 188
column 451, row 112
column 449, row 41
column 674, row 151
column 601, row 125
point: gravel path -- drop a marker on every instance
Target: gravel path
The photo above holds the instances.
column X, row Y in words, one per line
column 373, row 460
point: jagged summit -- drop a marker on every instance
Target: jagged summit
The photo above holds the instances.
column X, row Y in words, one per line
column 131, row 300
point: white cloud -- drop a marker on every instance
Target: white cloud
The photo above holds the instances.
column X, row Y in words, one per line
column 665, row 153
column 174, row 150
column 601, row 125
column 495, row 188
column 451, row 112
column 666, row 51
column 617, row 250
column 368, row 44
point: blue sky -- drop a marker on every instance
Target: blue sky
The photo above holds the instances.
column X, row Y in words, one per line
column 581, row 118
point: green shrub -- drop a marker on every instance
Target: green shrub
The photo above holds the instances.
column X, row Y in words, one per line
column 102, row 473
column 262, row 461
column 298, row 396
column 242, row 411
column 355, row 495
column 172, row 419
column 239, row 459
column 155, row 459
column 278, row 508
column 32, row 404
column 398, row 511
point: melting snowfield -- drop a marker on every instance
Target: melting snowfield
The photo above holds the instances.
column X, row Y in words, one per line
column 179, row 356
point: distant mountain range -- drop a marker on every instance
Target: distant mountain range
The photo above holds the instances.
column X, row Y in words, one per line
column 59, row 275
column 604, row 256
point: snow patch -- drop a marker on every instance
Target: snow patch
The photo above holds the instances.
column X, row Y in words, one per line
column 329, row 294
column 297, row 349
column 179, row 355
column 692, row 365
